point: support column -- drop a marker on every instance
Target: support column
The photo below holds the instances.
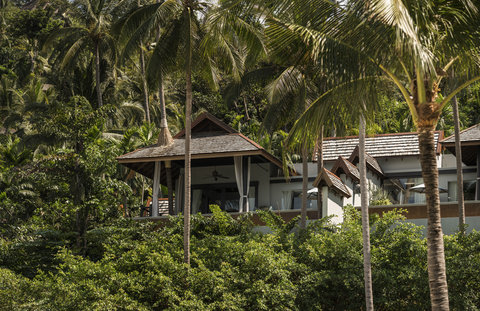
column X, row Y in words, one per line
column 168, row 168
column 156, row 186
column 477, row 190
column 246, row 180
column 324, row 201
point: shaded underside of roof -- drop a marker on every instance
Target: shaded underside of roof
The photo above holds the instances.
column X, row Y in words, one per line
column 327, row 178
column 470, row 142
column 147, row 168
column 469, row 153
column 347, row 167
column 384, row 145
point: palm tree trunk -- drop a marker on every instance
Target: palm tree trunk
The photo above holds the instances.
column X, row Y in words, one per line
column 188, row 131
column 367, row 266
column 303, row 219
column 97, row 75
column 436, row 256
column 164, row 137
column 458, row 156
column 319, row 171
column 145, row 85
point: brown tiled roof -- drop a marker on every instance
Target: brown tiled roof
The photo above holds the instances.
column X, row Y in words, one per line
column 343, row 165
column 470, row 135
column 382, row 145
column 201, row 146
column 332, row 181
column 212, row 140
column 372, row 163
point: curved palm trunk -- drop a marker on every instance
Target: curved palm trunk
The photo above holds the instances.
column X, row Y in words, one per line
column 458, row 157
column 144, row 79
column 145, row 85
column 436, row 256
column 319, row 171
column 367, row 266
column 97, row 75
column 164, row 137
column 303, row 219
column 188, row 131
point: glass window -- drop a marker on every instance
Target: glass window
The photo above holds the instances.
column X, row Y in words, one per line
column 224, row 195
column 468, row 190
column 297, row 201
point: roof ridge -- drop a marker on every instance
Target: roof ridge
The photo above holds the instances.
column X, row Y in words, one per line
column 207, row 115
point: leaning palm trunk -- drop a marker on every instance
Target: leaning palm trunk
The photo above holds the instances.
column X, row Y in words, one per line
column 367, row 266
column 164, row 137
column 436, row 256
column 188, row 130
column 458, row 157
column 303, row 219
column 97, row 75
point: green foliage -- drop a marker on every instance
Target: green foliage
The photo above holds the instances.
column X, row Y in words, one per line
column 138, row 266
column 378, row 196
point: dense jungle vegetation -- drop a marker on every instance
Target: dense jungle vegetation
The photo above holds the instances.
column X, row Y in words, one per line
column 66, row 243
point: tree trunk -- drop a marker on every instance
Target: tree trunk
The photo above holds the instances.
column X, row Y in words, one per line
column 97, row 75
column 164, row 137
column 303, row 219
column 188, row 130
column 367, row 267
column 458, row 156
column 247, row 117
column 145, row 85
column 319, row 171
column 436, row 256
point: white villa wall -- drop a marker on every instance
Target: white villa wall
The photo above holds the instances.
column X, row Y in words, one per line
column 399, row 164
column 450, row 224
column 312, row 168
column 335, row 207
column 276, row 193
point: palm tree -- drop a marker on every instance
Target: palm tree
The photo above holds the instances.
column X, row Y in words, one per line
column 182, row 30
column 367, row 266
column 458, row 157
column 91, row 37
column 411, row 44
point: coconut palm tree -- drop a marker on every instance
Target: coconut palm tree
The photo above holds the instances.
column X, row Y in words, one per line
column 367, row 265
column 185, row 25
column 458, row 157
column 91, row 36
column 413, row 45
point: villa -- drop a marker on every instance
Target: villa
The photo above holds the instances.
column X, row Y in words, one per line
column 234, row 172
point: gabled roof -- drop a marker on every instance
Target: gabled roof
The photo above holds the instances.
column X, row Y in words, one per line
column 342, row 165
column 467, row 136
column 206, row 123
column 213, row 143
column 378, row 146
column 371, row 161
column 470, row 142
column 327, row 178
